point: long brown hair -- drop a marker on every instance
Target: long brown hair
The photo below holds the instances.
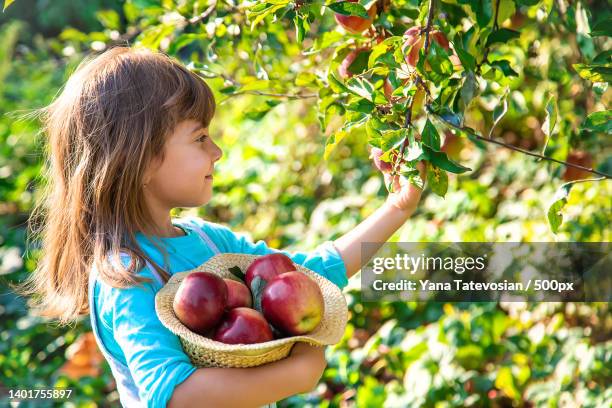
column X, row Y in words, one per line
column 108, row 123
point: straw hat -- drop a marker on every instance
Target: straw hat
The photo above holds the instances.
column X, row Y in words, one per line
column 205, row 352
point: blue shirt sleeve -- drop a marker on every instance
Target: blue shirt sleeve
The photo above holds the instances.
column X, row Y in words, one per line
column 324, row 259
column 153, row 353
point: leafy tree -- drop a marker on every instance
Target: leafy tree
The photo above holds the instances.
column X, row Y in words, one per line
column 507, row 101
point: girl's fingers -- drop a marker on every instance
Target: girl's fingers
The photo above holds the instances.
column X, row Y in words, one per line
column 421, row 166
column 396, row 182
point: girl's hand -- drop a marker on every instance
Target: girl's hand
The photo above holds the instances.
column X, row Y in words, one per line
column 312, row 362
column 405, row 196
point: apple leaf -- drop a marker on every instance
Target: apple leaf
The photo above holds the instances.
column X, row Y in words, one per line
column 502, row 35
column 277, row 334
column 430, row 136
column 332, row 141
column 550, row 122
column 447, row 116
column 237, row 272
column 7, row 3
column 599, row 122
column 261, row 111
column 602, row 28
column 505, row 67
column 260, row 14
column 467, row 60
column 349, row 9
column 257, row 287
column 469, row 89
column 361, row 87
column 440, row 159
column 595, row 72
column 555, row 217
column 499, row 111
column 300, row 29
column 437, row 179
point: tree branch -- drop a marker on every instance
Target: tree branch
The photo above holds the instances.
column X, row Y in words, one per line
column 485, row 56
column 205, row 14
column 430, row 18
column 417, row 82
column 276, row 95
column 527, row 152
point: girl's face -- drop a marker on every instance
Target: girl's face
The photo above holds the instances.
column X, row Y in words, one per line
column 184, row 178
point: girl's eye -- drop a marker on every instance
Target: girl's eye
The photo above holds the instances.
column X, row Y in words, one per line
column 202, row 138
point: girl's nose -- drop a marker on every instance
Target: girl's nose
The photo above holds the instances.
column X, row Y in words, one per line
column 218, row 153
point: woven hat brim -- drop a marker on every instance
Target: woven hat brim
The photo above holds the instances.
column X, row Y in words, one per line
column 204, row 351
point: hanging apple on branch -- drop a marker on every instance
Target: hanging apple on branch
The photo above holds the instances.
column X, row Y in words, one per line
column 408, row 74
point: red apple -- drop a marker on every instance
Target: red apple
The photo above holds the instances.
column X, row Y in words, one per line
column 344, row 68
column 243, row 326
column 293, row 303
column 268, row 267
column 238, row 295
column 416, row 40
column 200, row 301
column 581, row 158
column 452, row 145
column 356, row 24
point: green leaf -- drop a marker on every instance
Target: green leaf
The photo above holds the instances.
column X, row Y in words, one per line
column 7, row 3
column 254, row 84
column 505, row 382
column 257, row 287
column 332, row 142
column 109, row 18
column 437, row 179
column 599, row 122
column 602, row 28
column 440, row 159
column 430, row 136
column 325, row 40
column 305, row 78
column 378, row 51
column 261, row 111
column 469, row 89
column 595, row 72
column 555, row 217
column 447, row 116
column 361, row 105
column 237, row 272
column 300, row 30
column 375, row 129
column 361, row 87
column 349, row 9
column 550, row 122
column 502, row 35
column 260, row 15
column 335, row 84
column 504, row 66
column 467, row 60
column 438, row 59
column 499, row 111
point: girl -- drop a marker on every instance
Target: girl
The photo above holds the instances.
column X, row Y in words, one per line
column 128, row 142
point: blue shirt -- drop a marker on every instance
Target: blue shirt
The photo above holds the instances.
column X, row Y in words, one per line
column 128, row 323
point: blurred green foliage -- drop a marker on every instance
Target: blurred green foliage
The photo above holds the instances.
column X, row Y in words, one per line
column 274, row 183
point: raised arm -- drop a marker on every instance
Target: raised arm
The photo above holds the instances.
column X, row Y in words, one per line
column 252, row 387
column 379, row 226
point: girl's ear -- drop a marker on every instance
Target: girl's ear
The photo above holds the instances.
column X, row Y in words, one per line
column 152, row 167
